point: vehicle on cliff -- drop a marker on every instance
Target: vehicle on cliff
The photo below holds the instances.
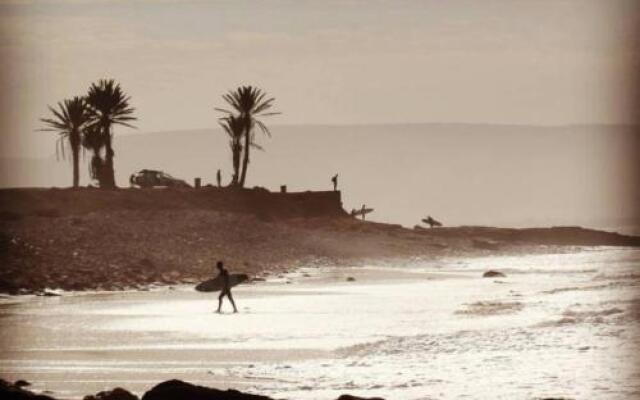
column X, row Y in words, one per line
column 148, row 178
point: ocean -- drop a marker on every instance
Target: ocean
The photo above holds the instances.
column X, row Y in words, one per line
column 556, row 325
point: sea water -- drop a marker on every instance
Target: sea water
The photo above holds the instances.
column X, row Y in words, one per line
column 557, row 325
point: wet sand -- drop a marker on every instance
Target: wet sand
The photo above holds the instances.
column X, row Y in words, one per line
column 557, row 325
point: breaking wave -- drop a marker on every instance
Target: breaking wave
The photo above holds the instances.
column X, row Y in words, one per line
column 614, row 315
column 485, row 308
column 616, row 284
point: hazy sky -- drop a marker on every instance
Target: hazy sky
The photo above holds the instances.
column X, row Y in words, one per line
column 523, row 62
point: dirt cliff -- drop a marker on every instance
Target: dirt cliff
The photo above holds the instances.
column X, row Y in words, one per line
column 127, row 238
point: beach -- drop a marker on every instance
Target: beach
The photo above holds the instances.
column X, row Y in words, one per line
column 557, row 325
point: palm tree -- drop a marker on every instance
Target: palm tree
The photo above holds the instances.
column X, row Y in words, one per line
column 92, row 140
column 250, row 103
column 110, row 106
column 69, row 120
column 234, row 128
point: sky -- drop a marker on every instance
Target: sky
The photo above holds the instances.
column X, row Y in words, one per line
column 342, row 62
column 349, row 64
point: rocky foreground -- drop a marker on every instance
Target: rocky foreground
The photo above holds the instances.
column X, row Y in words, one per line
column 130, row 239
column 169, row 390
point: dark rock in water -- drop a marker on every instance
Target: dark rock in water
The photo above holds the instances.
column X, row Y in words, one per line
column 349, row 397
column 21, row 383
column 115, row 394
column 14, row 392
column 556, row 398
column 48, row 293
column 493, row 274
column 351, row 279
column 178, row 390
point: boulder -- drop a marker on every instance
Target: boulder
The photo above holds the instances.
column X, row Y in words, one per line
column 493, row 274
column 176, row 389
column 349, row 397
column 48, row 293
column 115, row 394
column 14, row 392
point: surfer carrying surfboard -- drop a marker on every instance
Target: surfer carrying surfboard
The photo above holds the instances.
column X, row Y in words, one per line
column 226, row 287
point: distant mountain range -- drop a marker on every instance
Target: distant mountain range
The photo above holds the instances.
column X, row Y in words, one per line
column 458, row 173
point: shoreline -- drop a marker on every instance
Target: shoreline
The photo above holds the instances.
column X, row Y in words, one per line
column 91, row 239
column 43, row 255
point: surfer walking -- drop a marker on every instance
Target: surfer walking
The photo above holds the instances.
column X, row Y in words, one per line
column 219, row 178
column 334, row 180
column 226, row 287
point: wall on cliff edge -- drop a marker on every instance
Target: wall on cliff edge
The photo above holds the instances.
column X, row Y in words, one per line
column 15, row 203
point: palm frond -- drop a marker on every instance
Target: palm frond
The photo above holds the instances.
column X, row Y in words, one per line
column 109, row 104
column 257, row 146
column 69, row 119
column 223, row 110
column 263, row 128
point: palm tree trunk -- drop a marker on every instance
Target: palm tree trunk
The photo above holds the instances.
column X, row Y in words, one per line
column 95, row 169
column 236, row 149
column 74, row 141
column 76, row 165
column 108, row 171
column 245, row 161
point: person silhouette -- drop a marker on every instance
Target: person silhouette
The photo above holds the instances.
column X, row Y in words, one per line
column 363, row 212
column 226, row 287
column 219, row 178
column 334, row 179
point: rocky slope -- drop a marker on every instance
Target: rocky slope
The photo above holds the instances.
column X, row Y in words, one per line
column 77, row 240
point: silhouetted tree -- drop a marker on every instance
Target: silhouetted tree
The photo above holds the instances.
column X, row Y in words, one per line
column 69, row 120
column 92, row 140
column 234, row 128
column 110, row 106
column 249, row 104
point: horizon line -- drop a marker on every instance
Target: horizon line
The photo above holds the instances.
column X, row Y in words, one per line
column 365, row 124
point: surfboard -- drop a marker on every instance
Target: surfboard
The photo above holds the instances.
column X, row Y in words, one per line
column 215, row 284
column 360, row 211
column 431, row 222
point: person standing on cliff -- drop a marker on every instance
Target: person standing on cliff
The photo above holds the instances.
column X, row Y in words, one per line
column 334, row 179
column 219, row 178
column 226, row 287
